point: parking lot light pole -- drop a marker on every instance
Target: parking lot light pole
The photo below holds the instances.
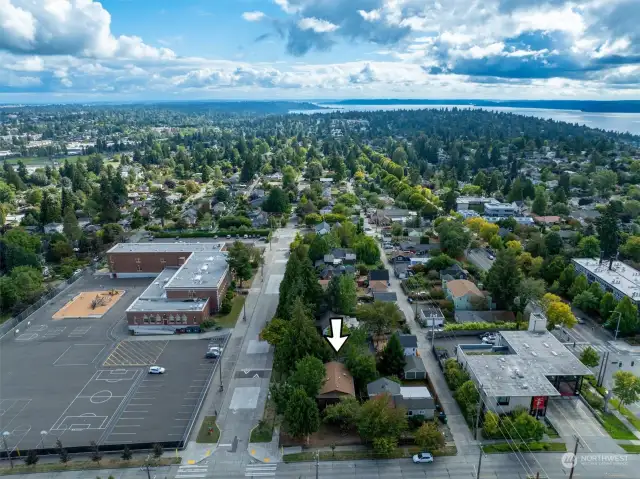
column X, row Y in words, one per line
column 5, row 434
column 615, row 337
column 43, row 434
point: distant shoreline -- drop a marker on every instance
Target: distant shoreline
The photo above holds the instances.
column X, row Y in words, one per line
column 585, row 106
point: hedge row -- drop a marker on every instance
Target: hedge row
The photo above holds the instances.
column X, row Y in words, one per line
column 480, row 326
column 211, row 234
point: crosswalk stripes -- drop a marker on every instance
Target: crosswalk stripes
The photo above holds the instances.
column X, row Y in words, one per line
column 260, row 470
column 601, row 348
column 192, row 471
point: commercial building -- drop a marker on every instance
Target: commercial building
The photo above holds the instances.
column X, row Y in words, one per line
column 475, row 203
column 191, row 280
column 523, row 369
column 620, row 280
column 502, row 210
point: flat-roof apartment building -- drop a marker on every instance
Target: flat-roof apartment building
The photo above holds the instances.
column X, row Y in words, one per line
column 191, row 280
column 621, row 280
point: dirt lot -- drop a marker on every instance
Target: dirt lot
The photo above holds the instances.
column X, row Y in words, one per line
column 326, row 435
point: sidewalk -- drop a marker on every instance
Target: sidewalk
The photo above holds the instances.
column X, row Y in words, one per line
column 267, row 452
column 624, row 346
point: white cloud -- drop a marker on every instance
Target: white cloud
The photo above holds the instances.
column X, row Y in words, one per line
column 317, row 25
column 254, row 16
column 286, row 6
column 371, row 16
column 66, row 27
column 27, row 64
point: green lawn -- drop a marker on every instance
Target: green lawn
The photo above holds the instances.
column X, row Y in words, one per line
column 630, row 448
column 204, row 436
column 615, row 427
column 20, row 468
column 229, row 320
column 263, row 432
column 626, row 413
column 525, row 447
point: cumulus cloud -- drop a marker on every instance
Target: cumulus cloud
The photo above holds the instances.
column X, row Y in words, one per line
column 254, row 16
column 66, row 27
column 317, row 25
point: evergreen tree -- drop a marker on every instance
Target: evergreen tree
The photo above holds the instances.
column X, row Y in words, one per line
column 392, row 360
column 503, row 279
column 161, row 205
column 301, row 414
column 71, row 228
column 609, row 231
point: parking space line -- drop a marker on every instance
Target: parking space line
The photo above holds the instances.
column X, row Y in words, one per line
column 130, row 418
column 128, row 425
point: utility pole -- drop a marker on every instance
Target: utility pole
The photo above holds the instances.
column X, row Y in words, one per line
column 615, row 337
column 479, row 462
column 317, row 464
column 603, row 368
column 575, row 457
column 220, row 369
column 5, row 434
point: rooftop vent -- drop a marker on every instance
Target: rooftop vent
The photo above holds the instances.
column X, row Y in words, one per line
column 546, row 345
column 534, row 353
column 554, row 353
column 526, row 345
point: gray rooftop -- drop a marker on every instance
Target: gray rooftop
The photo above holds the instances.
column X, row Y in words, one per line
column 200, row 271
column 621, row 276
column 156, row 289
column 177, row 247
column 524, row 372
column 141, row 305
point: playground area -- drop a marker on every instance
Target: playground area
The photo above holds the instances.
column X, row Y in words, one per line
column 89, row 304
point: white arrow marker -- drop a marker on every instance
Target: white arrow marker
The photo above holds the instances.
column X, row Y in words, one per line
column 336, row 340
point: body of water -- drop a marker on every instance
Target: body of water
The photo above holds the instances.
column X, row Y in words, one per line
column 620, row 122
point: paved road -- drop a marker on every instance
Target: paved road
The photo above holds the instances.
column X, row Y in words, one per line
column 480, row 259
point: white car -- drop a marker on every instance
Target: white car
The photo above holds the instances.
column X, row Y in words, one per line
column 491, row 339
column 423, row 457
column 156, row 370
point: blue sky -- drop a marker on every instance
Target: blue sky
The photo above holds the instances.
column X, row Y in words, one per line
column 75, row 50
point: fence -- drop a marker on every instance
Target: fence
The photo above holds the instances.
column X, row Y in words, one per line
column 52, row 293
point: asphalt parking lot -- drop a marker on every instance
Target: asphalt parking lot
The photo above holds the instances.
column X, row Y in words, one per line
column 76, row 379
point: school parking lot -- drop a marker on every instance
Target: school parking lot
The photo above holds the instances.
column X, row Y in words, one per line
column 82, row 380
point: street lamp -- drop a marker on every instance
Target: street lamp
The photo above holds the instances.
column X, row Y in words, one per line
column 6, row 434
column 43, row 434
column 615, row 338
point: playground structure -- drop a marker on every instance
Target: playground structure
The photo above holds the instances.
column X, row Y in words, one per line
column 89, row 304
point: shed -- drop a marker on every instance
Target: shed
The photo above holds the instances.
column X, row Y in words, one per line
column 414, row 368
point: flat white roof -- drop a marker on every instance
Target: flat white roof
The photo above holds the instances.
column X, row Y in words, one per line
column 621, row 276
column 200, row 271
column 177, row 247
column 417, row 392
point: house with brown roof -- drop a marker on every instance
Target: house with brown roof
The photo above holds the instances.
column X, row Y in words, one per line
column 338, row 382
column 464, row 294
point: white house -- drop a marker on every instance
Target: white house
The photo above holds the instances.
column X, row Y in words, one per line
column 410, row 344
column 53, row 228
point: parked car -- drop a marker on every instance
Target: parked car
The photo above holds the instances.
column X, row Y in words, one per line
column 213, row 352
column 156, row 370
column 423, row 457
column 491, row 339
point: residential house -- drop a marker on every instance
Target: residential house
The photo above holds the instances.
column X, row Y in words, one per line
column 51, row 228
column 345, row 255
column 385, row 296
column 338, row 383
column 414, row 368
column 256, row 202
column 547, row 220
column 416, row 399
column 219, row 208
column 326, row 210
column 463, row 293
column 392, row 215
column 260, row 220
column 431, row 316
column 410, row 344
column 322, row 228
column 401, row 257
column 502, row 210
column 379, row 279
column 190, row 215
column 419, row 249
column 454, row 272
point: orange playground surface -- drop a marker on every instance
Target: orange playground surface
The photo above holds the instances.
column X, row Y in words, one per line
column 89, row 304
